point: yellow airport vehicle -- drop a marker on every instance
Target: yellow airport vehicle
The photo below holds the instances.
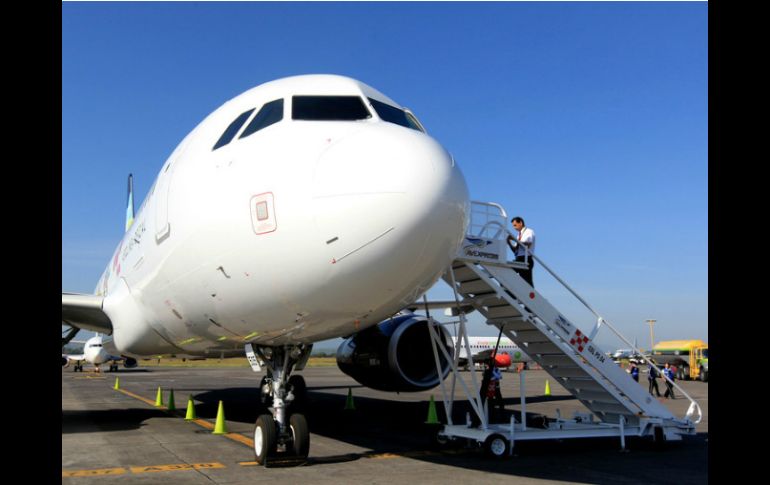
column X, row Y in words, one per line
column 690, row 357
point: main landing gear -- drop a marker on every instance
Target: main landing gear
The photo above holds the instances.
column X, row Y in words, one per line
column 281, row 432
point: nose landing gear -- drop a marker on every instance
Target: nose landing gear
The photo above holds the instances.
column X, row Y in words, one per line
column 279, row 433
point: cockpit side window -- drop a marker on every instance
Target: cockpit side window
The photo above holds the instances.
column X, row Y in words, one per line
column 232, row 130
column 395, row 115
column 270, row 113
column 329, row 108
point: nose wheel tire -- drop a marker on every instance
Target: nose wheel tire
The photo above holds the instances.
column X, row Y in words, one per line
column 264, row 438
column 300, row 434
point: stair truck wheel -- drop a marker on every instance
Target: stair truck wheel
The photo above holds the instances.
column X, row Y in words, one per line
column 496, row 446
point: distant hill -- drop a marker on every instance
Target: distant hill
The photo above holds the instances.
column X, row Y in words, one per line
column 325, row 352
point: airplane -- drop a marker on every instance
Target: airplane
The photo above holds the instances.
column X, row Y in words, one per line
column 97, row 351
column 304, row 209
column 483, row 347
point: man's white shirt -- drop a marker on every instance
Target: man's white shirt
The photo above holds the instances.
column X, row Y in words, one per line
column 526, row 235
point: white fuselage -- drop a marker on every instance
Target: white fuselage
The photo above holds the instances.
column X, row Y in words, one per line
column 94, row 351
column 482, row 344
column 302, row 231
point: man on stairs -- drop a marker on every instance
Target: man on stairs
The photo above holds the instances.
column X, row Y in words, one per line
column 524, row 248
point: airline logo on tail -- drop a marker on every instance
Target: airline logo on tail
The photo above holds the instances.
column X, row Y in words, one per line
column 130, row 203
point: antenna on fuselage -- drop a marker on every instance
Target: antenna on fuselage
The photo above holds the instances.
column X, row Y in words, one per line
column 130, row 203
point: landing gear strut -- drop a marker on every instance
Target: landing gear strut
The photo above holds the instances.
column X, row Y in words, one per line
column 281, row 432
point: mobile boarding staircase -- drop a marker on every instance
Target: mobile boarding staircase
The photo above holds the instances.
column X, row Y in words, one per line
column 483, row 279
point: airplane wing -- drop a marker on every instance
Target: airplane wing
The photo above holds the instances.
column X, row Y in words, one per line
column 85, row 311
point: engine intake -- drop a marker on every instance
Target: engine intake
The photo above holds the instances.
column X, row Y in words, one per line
column 395, row 355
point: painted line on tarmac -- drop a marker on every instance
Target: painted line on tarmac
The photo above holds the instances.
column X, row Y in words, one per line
column 93, row 473
column 140, row 469
column 171, row 468
column 131, row 394
column 238, row 438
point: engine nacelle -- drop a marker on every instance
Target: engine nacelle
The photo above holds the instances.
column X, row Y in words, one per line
column 65, row 362
column 395, row 355
column 130, row 363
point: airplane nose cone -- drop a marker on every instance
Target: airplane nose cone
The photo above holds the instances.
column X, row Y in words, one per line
column 390, row 194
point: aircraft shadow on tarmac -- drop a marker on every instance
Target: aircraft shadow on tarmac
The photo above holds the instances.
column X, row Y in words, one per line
column 398, row 427
column 107, row 420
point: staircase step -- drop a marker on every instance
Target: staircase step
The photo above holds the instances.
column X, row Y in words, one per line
column 596, row 396
column 542, row 348
column 555, row 360
column 609, row 408
column 475, row 287
column 464, row 273
column 491, row 301
column 513, row 323
column 502, row 311
column 568, row 372
column 582, row 384
column 532, row 336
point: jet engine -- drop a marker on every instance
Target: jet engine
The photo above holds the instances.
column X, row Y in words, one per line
column 394, row 355
column 129, row 362
column 65, row 362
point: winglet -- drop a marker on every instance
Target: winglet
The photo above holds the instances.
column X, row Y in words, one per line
column 130, row 204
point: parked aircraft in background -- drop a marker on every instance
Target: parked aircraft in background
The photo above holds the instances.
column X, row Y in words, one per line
column 97, row 351
column 307, row 208
column 482, row 348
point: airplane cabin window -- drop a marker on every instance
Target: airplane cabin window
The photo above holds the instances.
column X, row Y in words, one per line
column 329, row 108
column 232, row 130
column 270, row 113
column 395, row 115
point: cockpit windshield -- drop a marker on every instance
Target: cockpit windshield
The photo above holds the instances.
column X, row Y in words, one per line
column 395, row 115
column 329, row 108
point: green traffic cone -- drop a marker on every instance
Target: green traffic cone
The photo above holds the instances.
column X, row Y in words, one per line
column 190, row 410
column 219, row 427
column 432, row 417
column 171, row 405
column 349, row 405
column 117, row 383
column 159, row 398
column 547, row 388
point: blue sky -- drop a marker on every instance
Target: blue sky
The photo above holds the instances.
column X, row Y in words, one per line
column 590, row 120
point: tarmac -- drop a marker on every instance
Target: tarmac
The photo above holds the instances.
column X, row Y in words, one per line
column 120, row 436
